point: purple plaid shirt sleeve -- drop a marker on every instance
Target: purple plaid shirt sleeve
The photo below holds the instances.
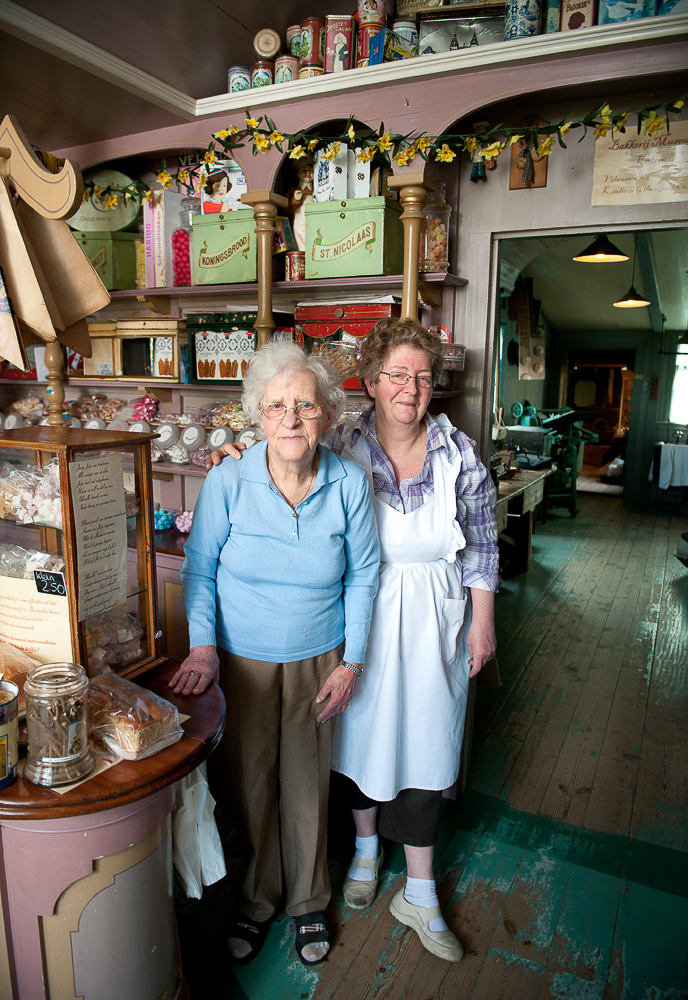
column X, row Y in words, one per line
column 475, row 493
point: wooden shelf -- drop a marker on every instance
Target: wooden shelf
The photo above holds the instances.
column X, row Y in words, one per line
column 298, row 288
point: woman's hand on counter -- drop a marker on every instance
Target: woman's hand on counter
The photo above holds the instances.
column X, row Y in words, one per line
column 233, row 450
column 197, row 672
column 340, row 687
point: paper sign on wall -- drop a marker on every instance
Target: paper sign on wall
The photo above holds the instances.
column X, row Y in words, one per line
column 101, row 532
column 35, row 622
column 632, row 169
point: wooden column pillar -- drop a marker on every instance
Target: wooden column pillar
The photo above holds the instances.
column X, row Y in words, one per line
column 265, row 206
column 413, row 194
column 55, row 363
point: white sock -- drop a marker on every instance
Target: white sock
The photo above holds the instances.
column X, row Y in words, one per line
column 366, row 847
column 423, row 892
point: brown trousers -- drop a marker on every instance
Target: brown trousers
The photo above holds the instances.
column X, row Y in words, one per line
column 276, row 761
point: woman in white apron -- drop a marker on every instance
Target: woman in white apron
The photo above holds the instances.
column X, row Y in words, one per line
column 433, row 621
column 399, row 742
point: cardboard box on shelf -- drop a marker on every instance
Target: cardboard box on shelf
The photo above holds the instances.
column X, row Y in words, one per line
column 160, row 220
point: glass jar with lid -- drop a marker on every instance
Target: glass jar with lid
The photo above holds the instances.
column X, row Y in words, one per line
column 434, row 233
column 57, row 724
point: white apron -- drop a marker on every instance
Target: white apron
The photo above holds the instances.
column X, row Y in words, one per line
column 404, row 726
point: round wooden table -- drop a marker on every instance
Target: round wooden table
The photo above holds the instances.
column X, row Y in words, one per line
column 86, row 877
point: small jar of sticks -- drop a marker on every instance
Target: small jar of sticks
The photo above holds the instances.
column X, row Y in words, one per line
column 57, row 724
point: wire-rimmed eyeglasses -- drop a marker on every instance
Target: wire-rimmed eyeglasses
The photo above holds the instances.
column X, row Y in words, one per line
column 306, row 410
column 401, row 378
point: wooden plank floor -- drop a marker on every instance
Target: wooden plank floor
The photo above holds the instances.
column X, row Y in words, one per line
column 564, row 868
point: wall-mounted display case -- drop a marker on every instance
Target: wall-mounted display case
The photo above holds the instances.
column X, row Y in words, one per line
column 77, row 559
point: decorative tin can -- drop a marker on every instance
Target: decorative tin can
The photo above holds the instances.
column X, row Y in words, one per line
column 267, row 44
column 372, row 12
column 521, row 19
column 408, row 30
column 224, row 248
column 312, row 41
column 286, row 69
column 9, row 735
column 339, row 42
column 295, row 266
column 262, row 73
column 307, row 71
column 365, row 33
column 294, row 40
column 238, row 79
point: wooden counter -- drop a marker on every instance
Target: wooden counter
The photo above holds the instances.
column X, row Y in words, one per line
column 517, row 502
column 130, row 780
column 95, row 865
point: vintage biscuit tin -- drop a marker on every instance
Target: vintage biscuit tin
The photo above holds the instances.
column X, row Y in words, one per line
column 308, row 71
column 113, row 256
column 365, row 33
column 295, row 266
column 9, row 732
column 262, row 73
column 224, row 248
column 267, row 44
column 339, row 43
column 294, row 40
column 357, row 237
column 313, row 41
column 238, row 79
column 286, row 69
column 372, row 12
column 336, row 332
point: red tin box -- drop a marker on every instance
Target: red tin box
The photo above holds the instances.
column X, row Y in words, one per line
column 339, row 43
column 336, row 331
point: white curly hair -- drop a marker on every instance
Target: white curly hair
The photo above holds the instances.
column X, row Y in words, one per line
column 284, row 357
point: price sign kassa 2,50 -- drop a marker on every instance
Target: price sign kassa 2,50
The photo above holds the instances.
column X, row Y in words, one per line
column 50, row 583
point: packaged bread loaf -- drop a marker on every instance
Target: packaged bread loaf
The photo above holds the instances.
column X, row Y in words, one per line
column 131, row 721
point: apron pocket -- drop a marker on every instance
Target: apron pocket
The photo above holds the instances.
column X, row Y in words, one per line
column 451, row 620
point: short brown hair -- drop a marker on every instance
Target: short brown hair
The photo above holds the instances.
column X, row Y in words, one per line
column 387, row 335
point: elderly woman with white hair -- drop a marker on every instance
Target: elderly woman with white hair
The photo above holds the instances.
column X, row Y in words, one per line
column 279, row 577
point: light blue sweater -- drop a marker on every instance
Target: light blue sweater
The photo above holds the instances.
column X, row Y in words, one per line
column 264, row 584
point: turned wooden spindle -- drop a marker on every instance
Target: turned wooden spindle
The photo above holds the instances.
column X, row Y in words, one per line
column 55, row 363
column 265, row 205
column 413, row 195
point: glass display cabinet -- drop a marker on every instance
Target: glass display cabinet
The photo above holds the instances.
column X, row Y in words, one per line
column 77, row 560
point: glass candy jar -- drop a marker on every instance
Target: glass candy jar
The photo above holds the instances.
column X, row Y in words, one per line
column 434, row 233
column 57, row 724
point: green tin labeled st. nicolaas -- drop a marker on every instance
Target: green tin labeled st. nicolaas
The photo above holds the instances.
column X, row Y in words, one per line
column 354, row 238
column 224, row 248
column 113, row 256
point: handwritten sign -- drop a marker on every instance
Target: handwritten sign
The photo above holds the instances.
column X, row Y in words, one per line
column 632, row 169
column 101, row 532
column 49, row 583
column 35, row 622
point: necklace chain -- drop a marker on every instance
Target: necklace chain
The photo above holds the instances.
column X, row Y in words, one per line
column 293, row 506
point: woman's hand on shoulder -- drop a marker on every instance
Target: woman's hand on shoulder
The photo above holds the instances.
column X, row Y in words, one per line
column 231, row 450
column 340, row 687
column 197, row 672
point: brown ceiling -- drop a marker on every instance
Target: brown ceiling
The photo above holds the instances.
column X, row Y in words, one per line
column 189, row 45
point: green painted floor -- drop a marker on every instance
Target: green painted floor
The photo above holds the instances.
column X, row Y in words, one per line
column 548, row 901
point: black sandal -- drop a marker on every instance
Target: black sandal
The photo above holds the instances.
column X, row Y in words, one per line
column 252, row 932
column 311, row 928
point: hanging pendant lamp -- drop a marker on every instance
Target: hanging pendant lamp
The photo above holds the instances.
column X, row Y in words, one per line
column 601, row 251
column 632, row 299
